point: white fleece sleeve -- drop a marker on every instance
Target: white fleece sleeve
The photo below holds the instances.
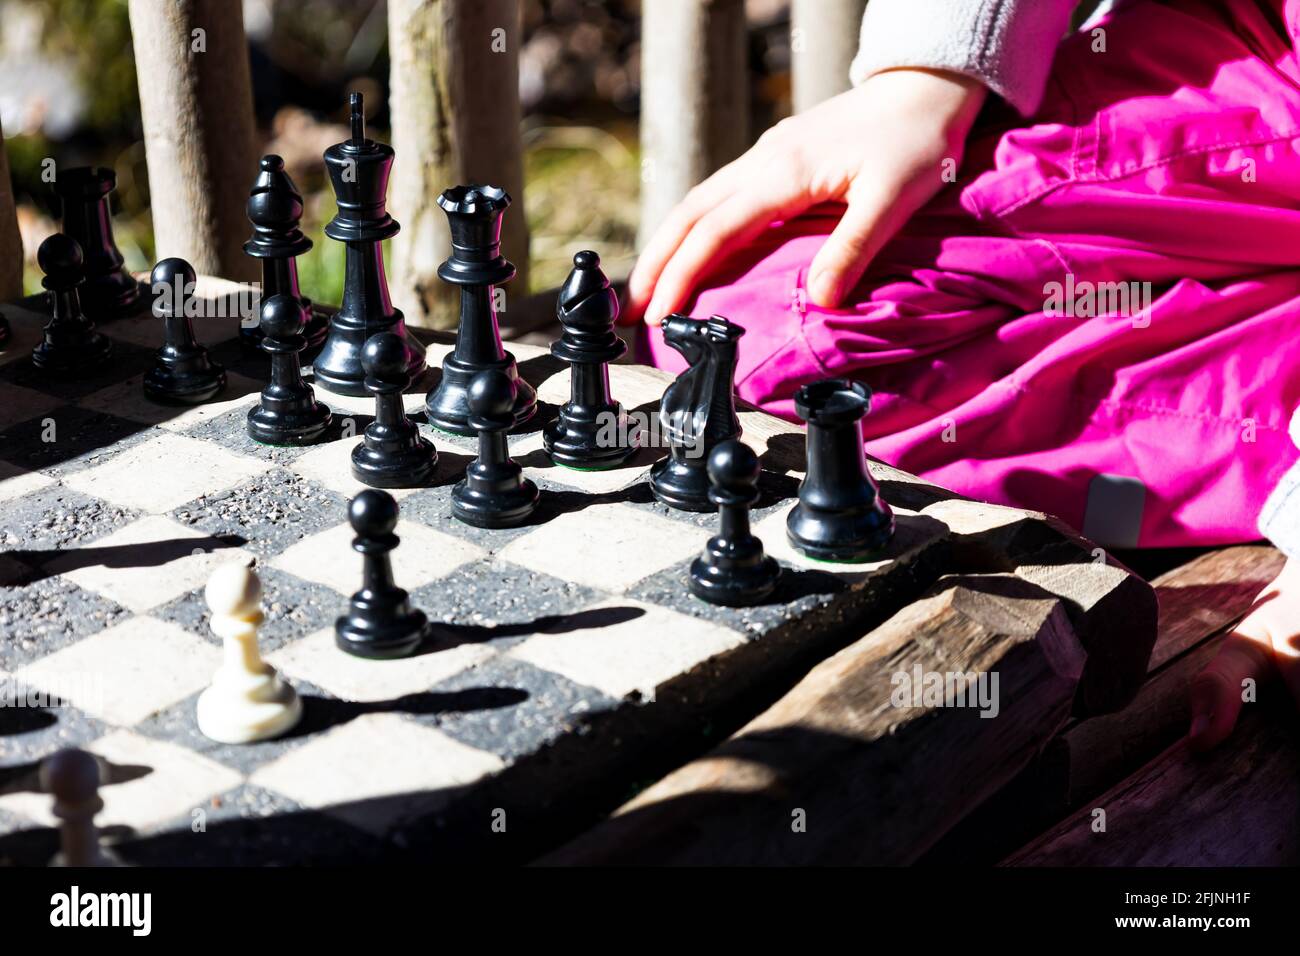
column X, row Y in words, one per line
column 1007, row 45
column 1279, row 520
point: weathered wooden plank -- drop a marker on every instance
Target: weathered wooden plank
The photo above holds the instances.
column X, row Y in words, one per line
column 823, row 42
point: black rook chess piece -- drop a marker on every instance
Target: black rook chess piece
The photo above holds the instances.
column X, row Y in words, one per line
column 840, row 515
column 71, row 346
column 380, row 621
column 698, row 411
column 108, row 290
column 494, row 492
column 392, row 453
column 733, row 570
column 477, row 266
column 275, row 210
column 358, row 170
column 182, row 372
column 592, row 429
column 288, row 413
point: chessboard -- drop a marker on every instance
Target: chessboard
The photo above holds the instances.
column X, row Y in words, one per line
column 569, row 664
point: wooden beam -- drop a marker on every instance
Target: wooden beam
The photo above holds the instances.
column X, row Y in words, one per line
column 196, row 104
column 454, row 80
column 823, row 42
column 11, row 240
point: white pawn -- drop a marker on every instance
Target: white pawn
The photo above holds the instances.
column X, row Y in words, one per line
column 72, row 778
column 247, row 700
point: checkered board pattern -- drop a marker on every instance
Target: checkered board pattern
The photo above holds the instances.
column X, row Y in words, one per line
column 569, row 663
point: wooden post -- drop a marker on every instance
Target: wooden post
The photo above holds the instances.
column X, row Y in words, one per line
column 694, row 98
column 823, row 42
column 11, row 241
column 454, row 80
column 196, row 103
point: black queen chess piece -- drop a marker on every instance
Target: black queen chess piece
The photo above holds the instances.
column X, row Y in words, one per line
column 698, row 410
column 358, row 170
column 380, row 622
column 182, row 372
column 476, row 265
column 288, row 413
column 591, row 430
column 70, row 346
column 108, row 291
column 840, row 515
column 494, row 492
column 733, row 570
column 392, row 452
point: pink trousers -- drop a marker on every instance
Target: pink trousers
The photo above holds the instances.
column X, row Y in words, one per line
column 1101, row 317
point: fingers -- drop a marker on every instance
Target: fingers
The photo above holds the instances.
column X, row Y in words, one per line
column 1216, row 692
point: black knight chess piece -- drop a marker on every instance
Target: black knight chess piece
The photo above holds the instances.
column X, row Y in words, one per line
column 733, row 570
column 380, row 622
column 358, row 170
column 392, row 453
column 698, row 411
column 275, row 210
column 477, row 266
column 288, row 413
column 591, row 431
column 109, row 290
column 70, row 347
column 182, row 372
column 494, row 492
column 840, row 515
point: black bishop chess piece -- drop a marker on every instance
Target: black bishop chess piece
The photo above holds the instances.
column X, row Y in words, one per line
column 733, row 570
column 108, row 291
column 591, row 431
column 182, row 372
column 698, row 411
column 840, row 515
column 358, row 170
column 275, row 210
column 70, row 347
column 477, row 266
column 494, row 492
column 392, row 452
column 380, row 622
column 288, row 413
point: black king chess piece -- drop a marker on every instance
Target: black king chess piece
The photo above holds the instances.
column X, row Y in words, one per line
column 733, row 570
column 494, row 492
column 182, row 373
column 698, row 411
column 70, row 347
column 392, row 453
column 358, row 170
column 591, row 431
column 380, row 621
column 840, row 515
column 288, row 413
column 477, row 266
column 109, row 290
column 275, row 210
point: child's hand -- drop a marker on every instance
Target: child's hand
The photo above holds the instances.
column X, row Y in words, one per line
column 1269, row 637
column 879, row 148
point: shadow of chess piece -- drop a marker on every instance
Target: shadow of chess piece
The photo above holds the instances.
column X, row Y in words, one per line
column 380, row 622
column 392, row 452
column 70, row 347
column 477, row 266
column 72, row 778
column 698, row 411
column 109, row 290
column 733, row 570
column 840, row 515
column 288, row 413
column 494, row 492
column 591, row 431
column 182, row 373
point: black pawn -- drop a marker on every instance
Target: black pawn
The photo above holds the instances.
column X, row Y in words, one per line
column 182, row 372
column 288, row 413
column 109, row 290
column 392, row 453
column 71, row 346
column 494, row 492
column 591, row 430
column 380, row 621
column 840, row 515
column 733, row 570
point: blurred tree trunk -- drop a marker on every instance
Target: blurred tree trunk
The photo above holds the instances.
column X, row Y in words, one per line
column 11, row 241
column 823, row 42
